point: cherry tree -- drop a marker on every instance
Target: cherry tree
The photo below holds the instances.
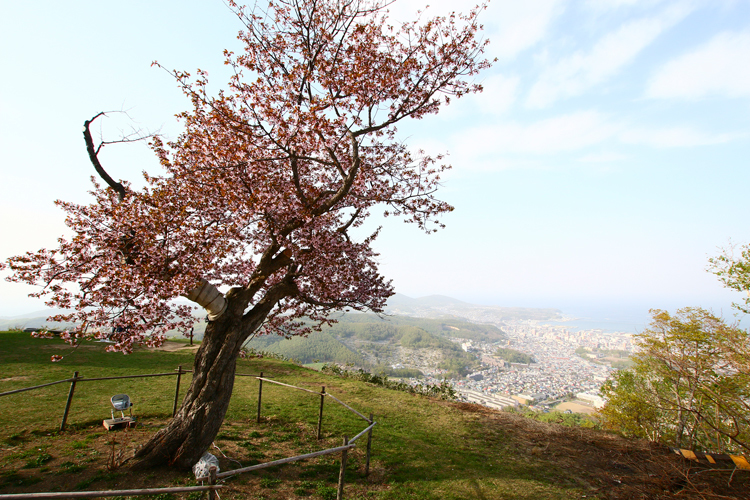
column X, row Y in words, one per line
column 259, row 193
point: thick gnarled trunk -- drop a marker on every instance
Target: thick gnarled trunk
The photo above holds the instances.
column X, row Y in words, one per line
column 197, row 422
column 195, row 426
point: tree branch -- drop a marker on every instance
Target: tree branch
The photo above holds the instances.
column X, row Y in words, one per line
column 119, row 188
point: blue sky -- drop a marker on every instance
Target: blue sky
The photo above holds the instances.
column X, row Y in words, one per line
column 606, row 161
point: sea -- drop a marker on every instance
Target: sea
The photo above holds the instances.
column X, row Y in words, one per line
column 609, row 319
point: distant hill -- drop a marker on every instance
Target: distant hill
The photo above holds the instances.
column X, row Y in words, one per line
column 379, row 343
column 34, row 319
column 429, row 307
column 430, row 301
column 435, row 306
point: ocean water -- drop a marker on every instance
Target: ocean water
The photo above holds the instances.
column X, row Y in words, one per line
column 630, row 318
column 609, row 319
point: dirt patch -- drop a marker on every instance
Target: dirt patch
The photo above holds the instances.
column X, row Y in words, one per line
column 610, row 466
column 176, row 346
column 14, row 379
column 575, row 408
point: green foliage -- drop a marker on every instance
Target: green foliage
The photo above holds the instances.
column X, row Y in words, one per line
column 16, row 479
column 458, row 364
column 269, row 482
column 399, row 372
column 71, row 467
column 614, row 353
column 689, row 385
column 630, row 409
column 443, row 390
column 416, row 338
column 622, row 365
column 326, row 492
column 316, row 346
column 38, row 461
column 513, row 356
column 734, row 271
column 356, row 335
column 376, row 328
column 558, row 417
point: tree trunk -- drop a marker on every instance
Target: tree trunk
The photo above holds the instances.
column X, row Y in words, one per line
column 197, row 422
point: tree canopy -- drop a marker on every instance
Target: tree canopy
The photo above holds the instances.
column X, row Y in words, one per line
column 689, row 386
column 260, row 192
column 263, row 186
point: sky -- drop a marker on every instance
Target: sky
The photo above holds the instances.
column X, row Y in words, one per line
column 606, row 161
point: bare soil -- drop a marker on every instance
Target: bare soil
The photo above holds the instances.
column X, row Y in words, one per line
column 614, row 467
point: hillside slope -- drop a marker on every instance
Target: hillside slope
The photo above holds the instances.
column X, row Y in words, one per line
column 417, row 345
column 422, row 448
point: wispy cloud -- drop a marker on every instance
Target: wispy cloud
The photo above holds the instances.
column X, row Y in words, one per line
column 676, row 137
column 500, row 92
column 577, row 73
column 602, row 158
column 520, row 145
column 553, row 135
column 519, row 25
column 720, row 67
column 610, row 4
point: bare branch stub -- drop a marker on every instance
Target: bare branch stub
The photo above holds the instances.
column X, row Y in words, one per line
column 93, row 151
column 260, row 192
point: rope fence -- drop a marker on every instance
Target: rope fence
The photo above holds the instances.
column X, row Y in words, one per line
column 79, row 378
column 213, row 477
column 109, row 493
column 347, row 445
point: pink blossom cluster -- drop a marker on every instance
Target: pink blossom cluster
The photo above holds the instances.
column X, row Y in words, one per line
column 262, row 188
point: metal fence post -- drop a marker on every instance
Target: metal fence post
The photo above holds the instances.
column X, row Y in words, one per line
column 260, row 393
column 177, row 391
column 70, row 400
column 369, row 446
column 320, row 414
column 340, row 492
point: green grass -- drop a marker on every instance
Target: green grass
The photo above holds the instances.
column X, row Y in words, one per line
column 422, row 448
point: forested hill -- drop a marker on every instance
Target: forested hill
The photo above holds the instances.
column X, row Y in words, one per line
column 375, row 343
column 359, row 324
column 439, row 306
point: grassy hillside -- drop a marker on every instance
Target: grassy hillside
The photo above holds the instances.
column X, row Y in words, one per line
column 372, row 342
column 443, row 327
column 422, row 448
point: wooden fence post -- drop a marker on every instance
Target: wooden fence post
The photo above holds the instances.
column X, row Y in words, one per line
column 340, row 492
column 212, row 482
column 320, row 414
column 369, row 446
column 177, row 391
column 70, row 400
column 260, row 393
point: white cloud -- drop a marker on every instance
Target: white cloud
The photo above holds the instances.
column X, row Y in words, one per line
column 719, row 67
column 602, row 158
column 500, row 92
column 580, row 71
column 519, row 25
column 614, row 4
column 518, row 145
column 512, row 26
column 558, row 134
column 675, row 137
